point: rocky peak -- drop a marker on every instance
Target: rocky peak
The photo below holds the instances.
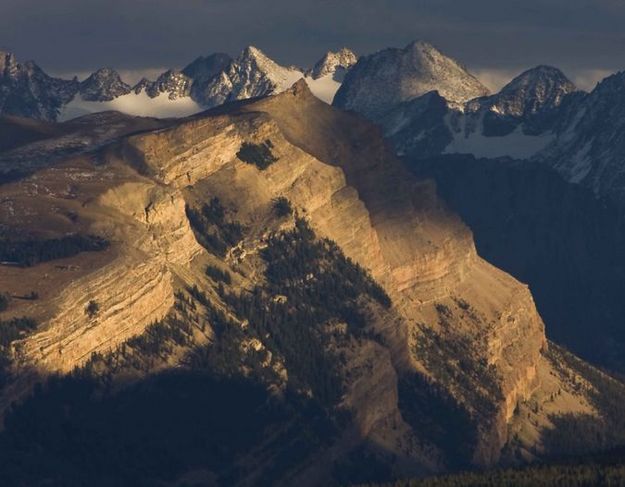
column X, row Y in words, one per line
column 379, row 82
column 8, row 64
column 143, row 84
column 175, row 83
column 254, row 74
column 537, row 89
column 103, row 85
column 254, row 57
column 27, row 91
column 332, row 62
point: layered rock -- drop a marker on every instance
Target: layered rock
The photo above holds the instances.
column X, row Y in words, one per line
column 342, row 177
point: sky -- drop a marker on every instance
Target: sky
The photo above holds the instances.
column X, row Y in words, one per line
column 495, row 39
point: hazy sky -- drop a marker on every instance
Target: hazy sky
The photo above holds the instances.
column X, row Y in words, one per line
column 494, row 38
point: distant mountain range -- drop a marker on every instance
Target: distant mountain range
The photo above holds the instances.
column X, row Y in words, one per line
column 27, row 91
column 427, row 103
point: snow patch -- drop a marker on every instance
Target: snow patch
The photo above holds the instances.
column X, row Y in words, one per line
column 581, row 164
column 516, row 144
column 323, row 88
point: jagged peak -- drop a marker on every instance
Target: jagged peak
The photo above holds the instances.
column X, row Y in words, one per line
column 8, row 63
column 4, row 55
column 104, row 73
column 535, row 90
column 332, row 60
column 541, row 75
column 105, row 84
column 253, row 52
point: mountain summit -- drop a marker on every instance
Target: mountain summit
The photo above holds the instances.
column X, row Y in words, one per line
column 333, row 62
column 381, row 81
column 103, row 85
column 536, row 90
column 26, row 90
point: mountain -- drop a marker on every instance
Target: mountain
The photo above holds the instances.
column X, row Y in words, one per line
column 175, row 84
column 103, row 85
column 589, row 146
column 534, row 93
column 335, row 64
column 381, row 81
column 540, row 115
column 250, row 75
column 264, row 294
column 25, row 90
column 208, row 81
column 206, row 67
column 516, row 122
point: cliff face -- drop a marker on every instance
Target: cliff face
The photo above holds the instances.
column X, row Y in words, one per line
column 132, row 282
column 459, row 331
column 336, row 170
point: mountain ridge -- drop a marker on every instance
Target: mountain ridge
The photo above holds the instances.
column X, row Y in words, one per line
column 206, row 82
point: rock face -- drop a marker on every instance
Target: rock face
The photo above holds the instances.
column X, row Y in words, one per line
column 25, row 90
column 589, row 145
column 175, row 83
column 204, row 71
column 251, row 75
column 381, row 81
column 103, row 85
column 514, row 209
column 334, row 63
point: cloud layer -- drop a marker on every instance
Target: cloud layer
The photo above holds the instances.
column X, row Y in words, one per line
column 580, row 36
